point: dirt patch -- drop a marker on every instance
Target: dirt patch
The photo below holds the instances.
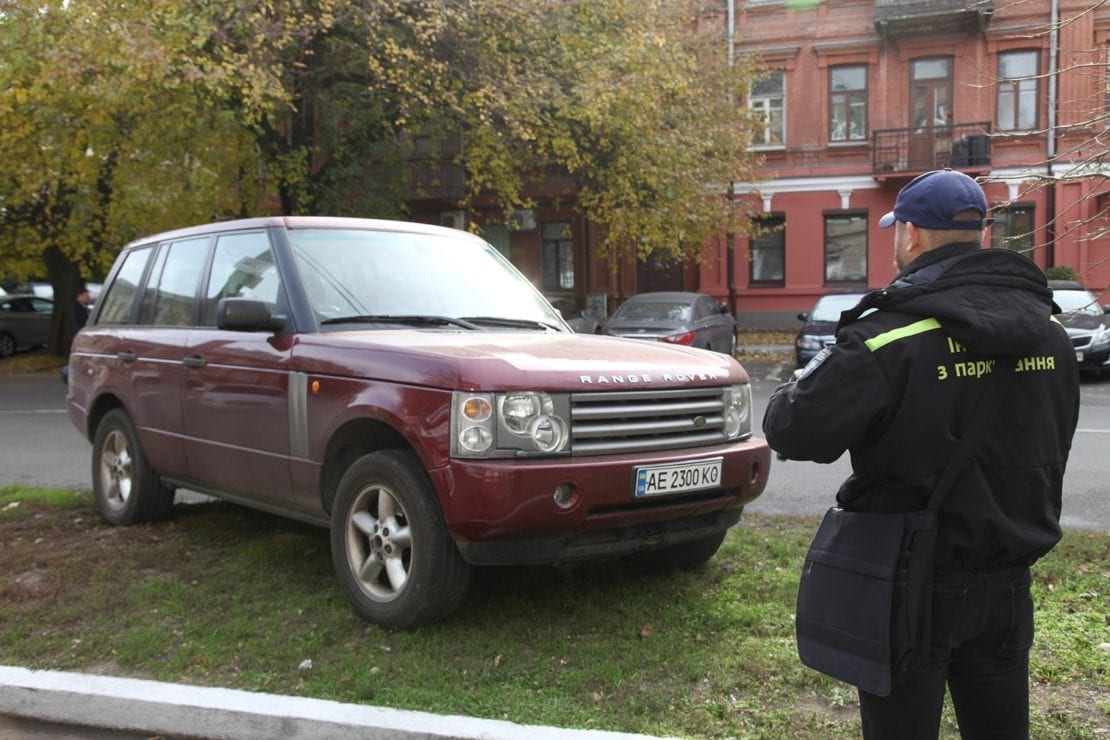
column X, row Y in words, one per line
column 38, row 361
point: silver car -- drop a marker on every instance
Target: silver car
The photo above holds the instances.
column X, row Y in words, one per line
column 692, row 319
column 1085, row 320
column 24, row 322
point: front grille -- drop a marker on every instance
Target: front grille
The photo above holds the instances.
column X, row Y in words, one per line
column 1080, row 341
column 620, row 422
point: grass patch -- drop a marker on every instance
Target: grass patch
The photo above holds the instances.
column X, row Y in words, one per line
column 15, row 496
column 225, row 596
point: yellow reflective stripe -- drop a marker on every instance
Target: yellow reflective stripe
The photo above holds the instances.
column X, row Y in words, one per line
column 894, row 335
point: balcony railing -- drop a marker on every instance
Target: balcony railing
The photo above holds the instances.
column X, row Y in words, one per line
column 962, row 146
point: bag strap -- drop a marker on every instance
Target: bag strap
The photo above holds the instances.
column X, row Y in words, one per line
column 982, row 416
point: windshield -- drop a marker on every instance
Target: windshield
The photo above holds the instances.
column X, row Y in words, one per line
column 353, row 273
column 830, row 307
column 1077, row 301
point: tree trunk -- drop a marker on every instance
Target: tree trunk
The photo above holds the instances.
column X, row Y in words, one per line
column 65, row 277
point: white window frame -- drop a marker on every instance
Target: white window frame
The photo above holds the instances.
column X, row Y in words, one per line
column 764, row 107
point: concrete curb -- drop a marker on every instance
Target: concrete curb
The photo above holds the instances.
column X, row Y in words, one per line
column 154, row 707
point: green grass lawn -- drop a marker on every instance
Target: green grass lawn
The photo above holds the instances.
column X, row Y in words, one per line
column 225, row 596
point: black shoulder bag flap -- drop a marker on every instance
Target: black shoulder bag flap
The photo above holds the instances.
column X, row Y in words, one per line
column 865, row 596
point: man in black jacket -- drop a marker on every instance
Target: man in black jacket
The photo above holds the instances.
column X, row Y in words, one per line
column 897, row 390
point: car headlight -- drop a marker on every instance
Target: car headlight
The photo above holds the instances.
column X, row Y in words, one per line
column 1100, row 339
column 513, row 424
column 808, row 341
column 738, row 411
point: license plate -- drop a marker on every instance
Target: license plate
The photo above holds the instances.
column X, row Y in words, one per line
column 655, row 480
column 1079, row 355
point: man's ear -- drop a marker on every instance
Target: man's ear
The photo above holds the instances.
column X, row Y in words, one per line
column 913, row 238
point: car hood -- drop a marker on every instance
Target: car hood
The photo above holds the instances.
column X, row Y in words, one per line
column 1080, row 321
column 511, row 360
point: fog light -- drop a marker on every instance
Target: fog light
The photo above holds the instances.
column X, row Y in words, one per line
column 476, row 439
column 565, row 497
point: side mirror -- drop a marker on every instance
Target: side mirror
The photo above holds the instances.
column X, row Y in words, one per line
column 245, row 314
column 803, row 316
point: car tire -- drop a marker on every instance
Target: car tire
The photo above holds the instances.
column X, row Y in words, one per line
column 684, row 556
column 395, row 559
column 127, row 489
column 7, row 345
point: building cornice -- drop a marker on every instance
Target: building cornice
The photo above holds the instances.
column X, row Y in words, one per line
column 807, row 185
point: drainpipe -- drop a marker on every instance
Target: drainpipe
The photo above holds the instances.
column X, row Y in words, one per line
column 730, row 237
column 1050, row 149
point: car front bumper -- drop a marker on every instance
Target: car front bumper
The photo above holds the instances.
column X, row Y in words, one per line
column 507, row 511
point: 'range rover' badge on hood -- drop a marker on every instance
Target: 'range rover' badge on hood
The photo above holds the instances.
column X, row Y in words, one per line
column 640, row 378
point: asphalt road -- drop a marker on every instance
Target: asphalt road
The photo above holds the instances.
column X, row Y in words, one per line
column 39, row 446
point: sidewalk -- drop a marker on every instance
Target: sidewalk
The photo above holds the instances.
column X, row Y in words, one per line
column 63, row 705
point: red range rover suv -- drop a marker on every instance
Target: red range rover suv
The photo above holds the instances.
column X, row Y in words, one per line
column 404, row 386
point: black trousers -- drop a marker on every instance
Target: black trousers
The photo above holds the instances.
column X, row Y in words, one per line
column 982, row 632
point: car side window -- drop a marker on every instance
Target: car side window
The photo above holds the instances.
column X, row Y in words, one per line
column 170, row 297
column 116, row 305
column 40, row 305
column 242, row 267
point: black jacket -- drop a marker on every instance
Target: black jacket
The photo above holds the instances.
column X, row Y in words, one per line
column 900, row 386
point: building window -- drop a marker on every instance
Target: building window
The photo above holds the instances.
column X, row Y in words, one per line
column 931, row 92
column 768, row 251
column 1107, row 81
column 848, row 103
column 767, row 103
column 846, row 248
column 1013, row 229
column 1018, row 89
column 557, row 256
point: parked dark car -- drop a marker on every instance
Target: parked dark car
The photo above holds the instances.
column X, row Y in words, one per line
column 406, row 387
column 24, row 322
column 690, row 319
column 819, row 325
column 581, row 320
column 1085, row 320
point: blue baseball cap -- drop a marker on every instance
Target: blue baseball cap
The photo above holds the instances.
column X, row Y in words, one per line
column 932, row 200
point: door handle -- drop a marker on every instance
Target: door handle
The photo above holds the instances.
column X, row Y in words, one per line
column 127, row 356
column 194, row 362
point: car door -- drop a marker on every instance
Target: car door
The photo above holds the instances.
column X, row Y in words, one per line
column 236, row 385
column 142, row 326
column 26, row 320
column 708, row 323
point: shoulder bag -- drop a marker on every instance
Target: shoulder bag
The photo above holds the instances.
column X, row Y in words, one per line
column 865, row 596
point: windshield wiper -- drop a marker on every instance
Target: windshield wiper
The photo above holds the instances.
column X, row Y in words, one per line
column 512, row 323
column 415, row 319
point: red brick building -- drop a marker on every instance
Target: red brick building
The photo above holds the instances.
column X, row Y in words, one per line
column 861, row 96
